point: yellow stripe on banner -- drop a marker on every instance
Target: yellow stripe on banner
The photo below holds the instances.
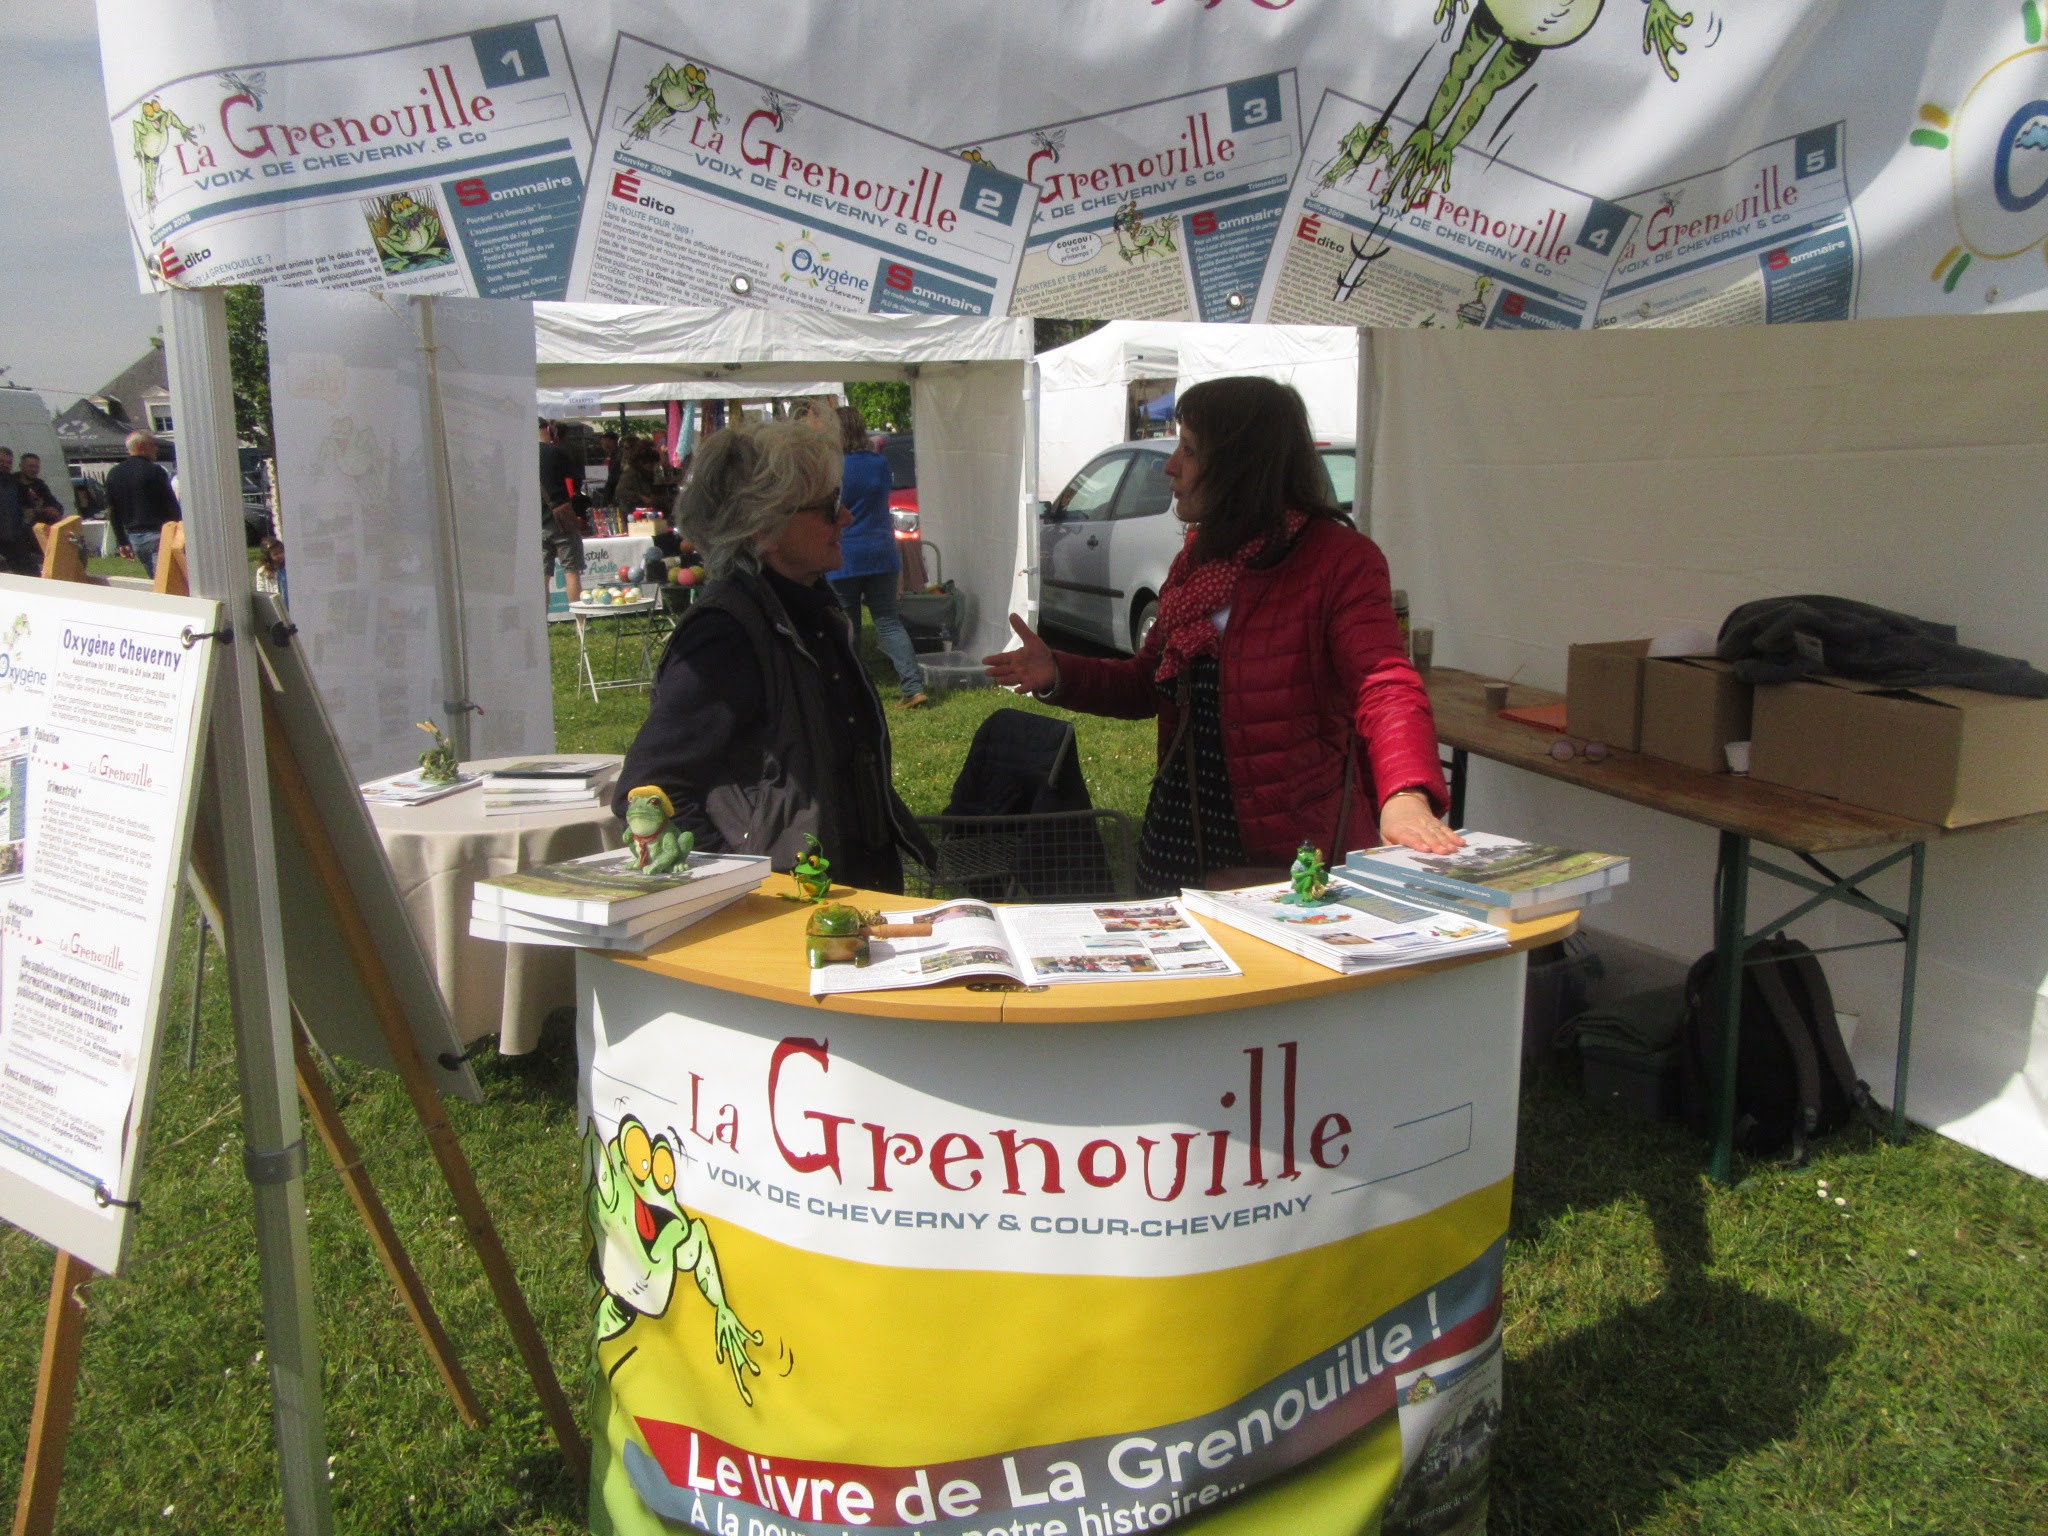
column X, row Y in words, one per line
column 893, row 1367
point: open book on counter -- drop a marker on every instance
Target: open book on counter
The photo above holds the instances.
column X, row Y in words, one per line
column 1034, row 945
column 1350, row 929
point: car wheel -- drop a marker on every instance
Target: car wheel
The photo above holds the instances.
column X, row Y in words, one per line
column 1142, row 618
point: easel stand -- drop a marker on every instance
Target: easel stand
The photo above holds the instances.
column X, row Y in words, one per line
column 42, row 1473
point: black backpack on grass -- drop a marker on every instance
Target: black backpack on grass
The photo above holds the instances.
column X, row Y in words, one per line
column 1793, row 1077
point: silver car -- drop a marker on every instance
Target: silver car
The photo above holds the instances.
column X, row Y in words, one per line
column 1105, row 542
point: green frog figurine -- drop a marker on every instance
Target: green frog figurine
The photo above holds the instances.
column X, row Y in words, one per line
column 437, row 763
column 657, row 844
column 812, row 871
column 1309, row 876
column 835, row 935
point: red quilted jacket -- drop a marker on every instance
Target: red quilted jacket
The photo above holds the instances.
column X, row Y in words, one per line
column 1311, row 662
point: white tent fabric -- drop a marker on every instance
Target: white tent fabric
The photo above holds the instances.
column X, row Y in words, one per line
column 1082, row 386
column 357, row 454
column 968, row 382
column 1535, row 491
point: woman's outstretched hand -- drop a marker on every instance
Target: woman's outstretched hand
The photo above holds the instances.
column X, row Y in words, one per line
column 1408, row 820
column 1029, row 669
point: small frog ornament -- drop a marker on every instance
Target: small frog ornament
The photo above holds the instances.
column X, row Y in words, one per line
column 657, row 844
column 835, row 935
column 437, row 763
column 1309, row 876
column 812, row 872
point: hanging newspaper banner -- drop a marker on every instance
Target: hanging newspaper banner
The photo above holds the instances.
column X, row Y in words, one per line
column 102, row 697
column 1070, row 1278
column 779, row 202
column 1159, row 212
column 453, row 165
column 1765, row 164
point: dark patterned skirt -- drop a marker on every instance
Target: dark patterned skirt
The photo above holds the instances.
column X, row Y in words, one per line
column 1190, row 828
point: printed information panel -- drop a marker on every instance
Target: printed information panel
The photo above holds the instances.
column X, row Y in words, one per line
column 1768, row 240
column 859, row 1271
column 1158, row 212
column 100, row 707
column 448, row 166
column 710, row 188
column 1387, row 236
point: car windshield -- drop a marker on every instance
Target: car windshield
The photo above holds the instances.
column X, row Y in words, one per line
column 902, row 456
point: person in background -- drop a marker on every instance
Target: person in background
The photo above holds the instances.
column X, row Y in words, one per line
column 870, row 574
column 608, row 440
column 633, row 486
column 1288, row 710
column 18, row 550
column 561, row 525
column 764, row 729
column 38, row 499
column 140, row 501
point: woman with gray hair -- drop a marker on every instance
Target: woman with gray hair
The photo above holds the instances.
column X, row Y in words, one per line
column 764, row 728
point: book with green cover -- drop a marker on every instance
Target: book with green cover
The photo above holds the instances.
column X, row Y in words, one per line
column 1496, row 870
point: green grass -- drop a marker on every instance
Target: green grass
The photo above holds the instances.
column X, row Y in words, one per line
column 1682, row 1358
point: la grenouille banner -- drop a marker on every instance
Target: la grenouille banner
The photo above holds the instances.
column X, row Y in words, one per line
column 1479, row 163
column 1240, row 1269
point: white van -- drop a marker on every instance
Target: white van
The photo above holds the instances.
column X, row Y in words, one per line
column 25, row 427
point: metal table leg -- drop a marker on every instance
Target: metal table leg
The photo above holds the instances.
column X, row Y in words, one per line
column 1906, row 983
column 1731, row 912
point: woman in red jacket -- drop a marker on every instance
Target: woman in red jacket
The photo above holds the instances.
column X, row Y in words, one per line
column 1288, row 711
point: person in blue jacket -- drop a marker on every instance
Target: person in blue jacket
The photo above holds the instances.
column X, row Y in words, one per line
column 868, row 573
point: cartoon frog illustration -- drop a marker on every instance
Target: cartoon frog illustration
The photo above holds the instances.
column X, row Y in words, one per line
column 1136, row 239
column 657, row 843
column 673, row 92
column 1502, row 39
column 154, row 126
column 412, row 234
column 642, row 1238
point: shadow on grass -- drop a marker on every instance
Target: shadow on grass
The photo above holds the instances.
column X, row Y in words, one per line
column 1604, row 1422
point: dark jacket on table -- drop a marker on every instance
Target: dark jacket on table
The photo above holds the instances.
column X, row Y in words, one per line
column 764, row 727
column 1314, row 677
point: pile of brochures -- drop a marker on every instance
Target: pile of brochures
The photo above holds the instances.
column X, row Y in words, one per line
column 605, row 901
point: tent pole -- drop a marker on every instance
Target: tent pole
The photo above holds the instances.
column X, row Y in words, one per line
column 456, row 704
column 274, row 1148
column 1368, row 421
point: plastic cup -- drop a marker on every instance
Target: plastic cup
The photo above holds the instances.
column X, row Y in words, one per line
column 1422, row 646
column 1496, row 697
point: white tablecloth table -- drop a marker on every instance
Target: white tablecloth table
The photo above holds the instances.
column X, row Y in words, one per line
column 438, row 852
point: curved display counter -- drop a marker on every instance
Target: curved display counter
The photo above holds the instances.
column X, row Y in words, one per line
column 1098, row 1258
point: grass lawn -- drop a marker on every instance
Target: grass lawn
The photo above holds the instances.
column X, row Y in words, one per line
column 1871, row 1356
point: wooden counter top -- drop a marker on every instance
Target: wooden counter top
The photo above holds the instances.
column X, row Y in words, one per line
column 756, row 947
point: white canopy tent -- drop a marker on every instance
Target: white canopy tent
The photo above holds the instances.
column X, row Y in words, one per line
column 1083, row 387
column 1535, row 491
column 968, row 380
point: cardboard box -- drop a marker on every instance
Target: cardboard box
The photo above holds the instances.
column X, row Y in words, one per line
column 1603, row 692
column 1693, row 706
column 1952, row 756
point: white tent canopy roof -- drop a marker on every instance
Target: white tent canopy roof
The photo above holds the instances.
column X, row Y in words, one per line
column 603, row 346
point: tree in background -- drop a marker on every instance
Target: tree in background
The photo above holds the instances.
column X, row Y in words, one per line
column 249, row 367
column 887, row 408
column 1047, row 334
column 884, row 406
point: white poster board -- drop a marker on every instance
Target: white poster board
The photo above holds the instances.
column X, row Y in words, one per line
column 102, row 694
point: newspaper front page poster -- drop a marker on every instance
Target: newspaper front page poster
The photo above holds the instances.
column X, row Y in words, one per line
column 101, row 699
column 710, row 188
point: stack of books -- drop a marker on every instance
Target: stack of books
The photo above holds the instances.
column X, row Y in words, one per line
column 605, row 902
column 549, row 784
column 411, row 788
column 1492, row 878
column 1349, row 930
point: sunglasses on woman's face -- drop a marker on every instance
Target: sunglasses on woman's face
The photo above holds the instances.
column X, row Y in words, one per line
column 826, row 507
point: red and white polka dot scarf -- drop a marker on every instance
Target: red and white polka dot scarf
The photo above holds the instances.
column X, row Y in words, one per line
column 1195, row 594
